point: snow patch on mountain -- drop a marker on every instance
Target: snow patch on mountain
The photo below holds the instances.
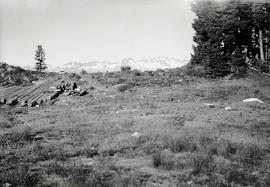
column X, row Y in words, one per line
column 161, row 62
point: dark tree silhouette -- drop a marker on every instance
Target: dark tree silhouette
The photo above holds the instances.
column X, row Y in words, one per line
column 230, row 32
column 40, row 59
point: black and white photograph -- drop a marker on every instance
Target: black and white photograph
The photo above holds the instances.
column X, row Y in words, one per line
column 134, row 93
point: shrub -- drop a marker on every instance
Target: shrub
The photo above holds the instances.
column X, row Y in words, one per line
column 262, row 66
column 125, row 68
column 15, row 176
column 202, row 163
column 238, row 64
column 157, row 159
column 137, row 72
column 17, row 135
column 195, row 71
column 181, row 144
column 151, row 147
column 217, row 67
column 250, row 154
column 83, row 72
column 123, row 88
column 265, row 67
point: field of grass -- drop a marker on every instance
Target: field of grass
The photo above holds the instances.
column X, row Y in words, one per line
column 160, row 135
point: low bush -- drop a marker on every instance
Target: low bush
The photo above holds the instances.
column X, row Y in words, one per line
column 195, row 71
column 83, row 72
column 123, row 88
column 125, row 68
column 17, row 135
column 181, row 144
column 265, row 67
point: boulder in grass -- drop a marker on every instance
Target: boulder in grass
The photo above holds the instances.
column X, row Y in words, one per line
column 7, row 185
column 83, row 93
column 136, row 135
column 253, row 100
column 228, row 108
column 209, row 105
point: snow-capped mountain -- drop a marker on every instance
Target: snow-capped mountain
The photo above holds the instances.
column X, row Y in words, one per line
column 161, row 62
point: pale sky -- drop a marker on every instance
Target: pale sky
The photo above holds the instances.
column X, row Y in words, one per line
column 88, row 30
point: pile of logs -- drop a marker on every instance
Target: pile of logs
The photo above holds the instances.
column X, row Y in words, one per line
column 34, row 95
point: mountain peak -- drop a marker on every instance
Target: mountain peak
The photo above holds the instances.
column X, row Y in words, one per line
column 160, row 62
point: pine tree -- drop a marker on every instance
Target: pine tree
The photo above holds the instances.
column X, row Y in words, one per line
column 209, row 38
column 261, row 21
column 40, row 58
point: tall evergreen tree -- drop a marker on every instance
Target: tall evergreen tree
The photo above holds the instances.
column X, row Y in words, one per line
column 40, row 59
column 230, row 32
column 209, row 38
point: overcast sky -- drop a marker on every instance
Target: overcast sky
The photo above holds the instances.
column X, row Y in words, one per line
column 87, row 30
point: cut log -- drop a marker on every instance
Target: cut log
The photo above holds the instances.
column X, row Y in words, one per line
column 6, row 95
column 45, row 96
column 8, row 90
column 32, row 101
column 23, row 100
column 16, row 95
column 23, row 93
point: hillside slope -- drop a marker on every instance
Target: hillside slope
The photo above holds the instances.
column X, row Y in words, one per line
column 194, row 133
column 14, row 75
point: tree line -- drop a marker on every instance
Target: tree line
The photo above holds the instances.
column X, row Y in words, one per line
column 230, row 33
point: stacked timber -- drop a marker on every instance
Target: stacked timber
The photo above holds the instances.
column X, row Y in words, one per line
column 33, row 95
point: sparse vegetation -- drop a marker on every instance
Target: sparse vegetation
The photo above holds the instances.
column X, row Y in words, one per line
column 13, row 75
column 125, row 68
column 178, row 140
column 169, row 127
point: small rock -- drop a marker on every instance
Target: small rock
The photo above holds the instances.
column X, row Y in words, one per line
column 209, row 105
column 38, row 137
column 92, row 88
column 228, row 108
column 83, row 93
column 7, row 185
column 74, row 86
column 136, row 134
column 252, row 100
column 255, row 173
column 77, row 90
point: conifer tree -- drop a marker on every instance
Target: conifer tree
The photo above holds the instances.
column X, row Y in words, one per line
column 228, row 33
column 40, row 59
column 210, row 38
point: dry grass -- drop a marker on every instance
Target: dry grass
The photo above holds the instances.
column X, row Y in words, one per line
column 87, row 141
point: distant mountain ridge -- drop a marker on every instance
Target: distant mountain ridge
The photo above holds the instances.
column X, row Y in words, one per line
column 161, row 62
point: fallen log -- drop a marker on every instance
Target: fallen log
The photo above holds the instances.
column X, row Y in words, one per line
column 29, row 100
column 12, row 99
column 24, row 93
column 32, row 101
column 8, row 90
column 5, row 96
column 46, row 95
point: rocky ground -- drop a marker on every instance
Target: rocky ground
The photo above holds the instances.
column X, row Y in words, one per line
column 163, row 128
column 15, row 76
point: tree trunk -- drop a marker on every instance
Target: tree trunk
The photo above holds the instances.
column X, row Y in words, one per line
column 261, row 45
